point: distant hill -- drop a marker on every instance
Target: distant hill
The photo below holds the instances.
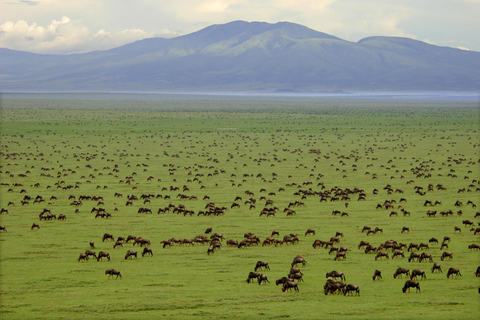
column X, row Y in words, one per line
column 249, row 56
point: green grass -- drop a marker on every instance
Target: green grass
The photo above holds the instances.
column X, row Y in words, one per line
column 228, row 146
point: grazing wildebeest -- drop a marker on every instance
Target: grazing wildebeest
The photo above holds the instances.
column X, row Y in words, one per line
column 398, row 253
column 436, row 267
column 252, row 275
column 400, row 272
column 262, row 264
column 210, row 250
column 290, row 285
column 377, row 274
column 333, row 286
column 130, row 253
column 446, row 255
column 113, row 272
column 91, row 253
column 297, row 260
column 118, row 244
column 282, row 280
column 82, row 257
column 350, row 288
column 107, row 236
column 232, row 242
column 414, row 255
column 92, row 245
column 405, row 229
column 335, row 274
column 454, row 271
column 340, row 255
column 34, row 226
column 296, row 276
column 310, row 231
column 418, row 272
column 147, row 251
column 208, row 230
column 262, row 278
column 474, row 247
column 411, row 284
column 102, row 254
column 425, row 256
column 3, row 228
column 477, row 273
column 433, row 240
column 381, row 255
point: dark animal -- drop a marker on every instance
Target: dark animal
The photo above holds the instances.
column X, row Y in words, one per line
column 400, row 272
column 107, row 236
column 350, row 288
column 262, row 278
column 418, row 272
column 377, row 274
column 262, row 264
column 102, row 254
column 453, row 271
column 113, row 272
column 130, row 253
column 411, row 284
column 147, row 251
column 290, row 285
column 335, row 274
column 82, row 257
column 436, row 267
column 252, row 275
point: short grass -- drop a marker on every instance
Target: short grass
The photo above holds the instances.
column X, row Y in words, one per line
column 222, row 147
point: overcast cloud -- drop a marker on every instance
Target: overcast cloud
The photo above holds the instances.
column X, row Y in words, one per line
column 68, row 26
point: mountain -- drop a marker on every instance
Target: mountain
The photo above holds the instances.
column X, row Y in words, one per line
column 249, row 56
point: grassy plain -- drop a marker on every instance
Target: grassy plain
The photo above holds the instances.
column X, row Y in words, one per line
column 222, row 147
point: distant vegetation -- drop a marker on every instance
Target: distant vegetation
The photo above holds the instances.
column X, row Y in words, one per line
column 194, row 207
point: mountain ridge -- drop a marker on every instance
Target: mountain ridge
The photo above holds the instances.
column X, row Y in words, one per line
column 239, row 56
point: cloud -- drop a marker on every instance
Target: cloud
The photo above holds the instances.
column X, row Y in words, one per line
column 64, row 36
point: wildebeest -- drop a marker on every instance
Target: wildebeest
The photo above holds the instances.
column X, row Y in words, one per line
column 262, row 264
column 310, row 231
column 397, row 253
column 296, row 276
column 147, row 251
column 282, row 280
column 446, row 255
column 335, row 274
column 252, row 275
column 34, row 226
column 400, row 272
column 333, row 286
column 454, row 271
column 350, row 288
column 340, row 255
column 477, row 273
column 290, row 285
column 91, row 253
column 411, row 284
column 107, row 236
column 262, row 278
column 82, row 257
column 414, row 255
column 418, row 272
column 381, row 255
column 425, row 256
column 474, row 247
column 377, row 274
column 102, row 254
column 297, row 260
column 113, row 272
column 130, row 253
column 3, row 228
column 436, row 267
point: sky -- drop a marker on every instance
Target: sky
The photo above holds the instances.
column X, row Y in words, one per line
column 77, row 26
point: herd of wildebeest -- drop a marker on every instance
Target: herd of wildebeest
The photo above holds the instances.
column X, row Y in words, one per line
column 60, row 181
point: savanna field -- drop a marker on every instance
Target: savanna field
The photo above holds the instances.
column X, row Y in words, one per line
column 164, row 170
